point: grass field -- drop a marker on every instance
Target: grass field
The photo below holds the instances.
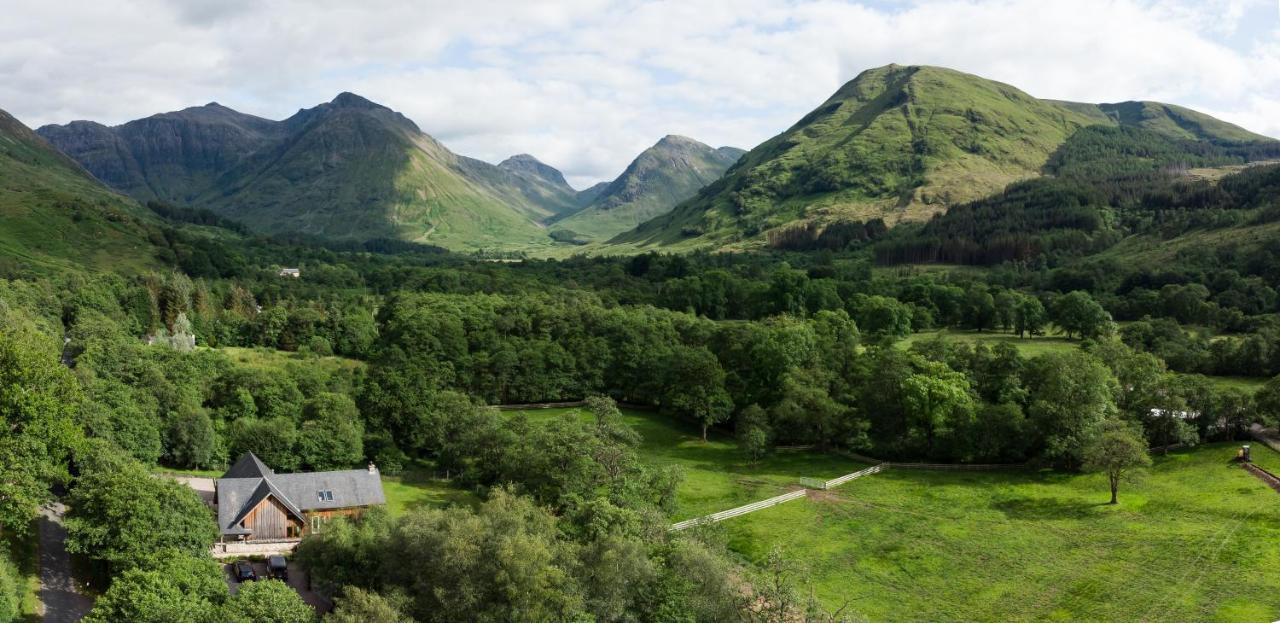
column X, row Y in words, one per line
column 716, row 475
column 1197, row 539
column 272, row 359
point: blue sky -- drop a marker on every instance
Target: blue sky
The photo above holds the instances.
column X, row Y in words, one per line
column 586, row 84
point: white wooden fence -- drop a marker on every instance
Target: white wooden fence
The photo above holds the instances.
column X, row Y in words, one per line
column 741, row 510
column 836, row 482
column 808, row 483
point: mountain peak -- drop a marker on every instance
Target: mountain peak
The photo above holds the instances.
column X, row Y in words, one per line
column 526, row 166
column 347, row 99
column 520, row 160
column 676, row 140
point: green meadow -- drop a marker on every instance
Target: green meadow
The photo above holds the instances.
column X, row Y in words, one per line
column 1195, row 539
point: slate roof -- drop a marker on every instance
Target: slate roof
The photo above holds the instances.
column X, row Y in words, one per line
column 249, row 481
column 248, row 466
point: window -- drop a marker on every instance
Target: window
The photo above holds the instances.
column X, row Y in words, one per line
column 315, row 524
column 324, row 495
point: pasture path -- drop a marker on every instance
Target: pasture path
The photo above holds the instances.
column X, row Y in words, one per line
column 61, row 600
column 1265, row 476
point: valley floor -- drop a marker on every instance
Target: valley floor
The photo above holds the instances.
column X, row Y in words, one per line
column 1194, row 540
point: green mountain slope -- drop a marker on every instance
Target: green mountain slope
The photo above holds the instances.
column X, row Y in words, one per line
column 54, row 215
column 897, row 143
column 348, row 169
column 1176, row 122
column 354, row 169
column 658, row 179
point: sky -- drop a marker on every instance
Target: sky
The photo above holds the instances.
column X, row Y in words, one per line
column 585, row 85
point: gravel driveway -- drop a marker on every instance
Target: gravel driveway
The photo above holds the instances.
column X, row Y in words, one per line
column 60, row 599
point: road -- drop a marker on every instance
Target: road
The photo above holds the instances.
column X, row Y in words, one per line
column 60, row 599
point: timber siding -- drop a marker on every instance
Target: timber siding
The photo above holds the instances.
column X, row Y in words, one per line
column 270, row 520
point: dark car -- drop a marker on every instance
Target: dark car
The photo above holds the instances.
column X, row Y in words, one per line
column 245, row 572
column 278, row 568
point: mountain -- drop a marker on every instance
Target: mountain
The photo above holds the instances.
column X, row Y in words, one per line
column 899, row 143
column 348, row 169
column 541, row 183
column 54, row 214
column 170, row 156
column 659, row 178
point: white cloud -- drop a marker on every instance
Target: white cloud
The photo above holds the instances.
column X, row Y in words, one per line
column 586, row 84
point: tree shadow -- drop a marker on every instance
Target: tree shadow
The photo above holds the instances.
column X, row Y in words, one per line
column 1046, row 508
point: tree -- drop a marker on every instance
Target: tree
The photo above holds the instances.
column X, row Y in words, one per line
column 39, row 402
column 267, row 601
column 192, row 442
column 332, row 437
column 272, row 440
column 1029, row 316
column 1267, row 399
column 120, row 514
column 753, row 433
column 980, row 308
column 1006, row 303
column 883, row 318
column 1117, row 451
column 502, row 562
column 1078, row 313
column 1071, row 394
column 695, row 387
column 361, row 606
column 172, row 587
column 938, row 399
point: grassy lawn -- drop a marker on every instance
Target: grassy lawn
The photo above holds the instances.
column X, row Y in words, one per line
column 1247, row 383
column 1196, row 539
column 418, row 488
column 716, row 476
column 1029, row 347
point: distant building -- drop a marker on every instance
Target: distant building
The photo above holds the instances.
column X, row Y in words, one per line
column 255, row 503
column 291, row 272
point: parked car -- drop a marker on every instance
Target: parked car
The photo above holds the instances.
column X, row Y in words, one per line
column 245, row 572
column 278, row 568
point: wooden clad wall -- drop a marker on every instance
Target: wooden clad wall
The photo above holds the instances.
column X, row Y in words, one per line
column 269, row 520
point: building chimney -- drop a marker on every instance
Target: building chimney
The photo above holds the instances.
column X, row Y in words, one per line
column 373, row 469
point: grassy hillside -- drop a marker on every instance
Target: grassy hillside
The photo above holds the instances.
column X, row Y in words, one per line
column 900, row 144
column 896, row 142
column 1177, row 122
column 353, row 169
column 54, row 215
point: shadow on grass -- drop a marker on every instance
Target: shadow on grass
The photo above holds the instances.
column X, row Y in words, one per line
column 1046, row 508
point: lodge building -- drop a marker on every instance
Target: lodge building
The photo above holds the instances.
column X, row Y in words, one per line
column 256, row 504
